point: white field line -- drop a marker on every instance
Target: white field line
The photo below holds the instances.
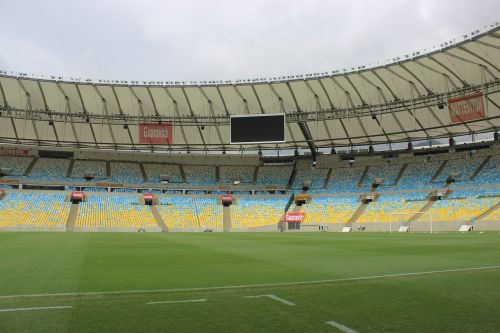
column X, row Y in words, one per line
column 182, row 301
column 263, row 285
column 274, row 297
column 33, row 309
column 341, row 327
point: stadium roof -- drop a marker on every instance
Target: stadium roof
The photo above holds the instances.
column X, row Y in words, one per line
column 401, row 101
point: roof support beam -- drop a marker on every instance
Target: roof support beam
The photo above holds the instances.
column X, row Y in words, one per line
column 471, row 62
column 105, row 112
column 432, row 58
column 29, row 108
column 67, row 109
column 212, row 113
column 123, row 116
column 318, row 107
column 414, row 89
column 333, row 107
column 475, row 55
column 87, row 119
column 6, row 103
column 283, row 110
column 381, row 94
column 140, row 110
column 46, row 106
column 177, row 114
column 194, row 116
column 303, row 126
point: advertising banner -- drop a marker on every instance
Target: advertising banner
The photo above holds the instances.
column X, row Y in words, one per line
column 156, row 134
column 466, row 108
column 294, row 217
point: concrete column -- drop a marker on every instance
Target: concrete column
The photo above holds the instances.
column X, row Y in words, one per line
column 226, row 218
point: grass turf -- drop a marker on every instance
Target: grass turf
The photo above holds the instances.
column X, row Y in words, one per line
column 40, row 263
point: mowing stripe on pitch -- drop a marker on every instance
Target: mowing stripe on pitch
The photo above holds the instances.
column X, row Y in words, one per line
column 341, row 327
column 245, row 286
column 274, row 297
column 181, row 301
column 34, row 309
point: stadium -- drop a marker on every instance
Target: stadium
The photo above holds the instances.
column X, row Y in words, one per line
column 365, row 199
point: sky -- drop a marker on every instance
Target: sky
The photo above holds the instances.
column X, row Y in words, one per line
column 222, row 39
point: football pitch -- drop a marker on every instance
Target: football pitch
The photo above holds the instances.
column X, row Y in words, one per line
column 249, row 282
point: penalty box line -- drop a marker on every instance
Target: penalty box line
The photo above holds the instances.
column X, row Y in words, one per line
column 248, row 286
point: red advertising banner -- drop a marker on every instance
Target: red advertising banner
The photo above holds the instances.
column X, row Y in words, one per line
column 148, row 197
column 13, row 151
column 294, row 217
column 466, row 108
column 77, row 195
column 156, row 134
column 227, row 198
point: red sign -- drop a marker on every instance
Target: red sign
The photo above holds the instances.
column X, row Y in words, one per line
column 77, row 195
column 227, row 198
column 466, row 108
column 148, row 197
column 156, row 134
column 13, row 151
column 294, row 217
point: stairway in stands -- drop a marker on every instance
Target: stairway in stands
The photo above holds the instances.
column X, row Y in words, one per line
column 486, row 213
column 400, row 174
column 361, row 209
column 428, row 205
column 363, row 176
column 32, row 164
column 479, row 168
column 439, row 170
column 143, row 172
column 158, row 218
column 72, row 217
column 70, row 168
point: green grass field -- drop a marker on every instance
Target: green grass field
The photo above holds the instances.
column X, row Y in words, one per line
column 339, row 274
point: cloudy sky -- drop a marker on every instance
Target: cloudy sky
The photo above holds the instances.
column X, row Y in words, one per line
column 223, row 39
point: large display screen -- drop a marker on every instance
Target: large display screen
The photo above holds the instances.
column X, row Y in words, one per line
column 265, row 128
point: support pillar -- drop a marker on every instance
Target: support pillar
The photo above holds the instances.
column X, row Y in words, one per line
column 226, row 219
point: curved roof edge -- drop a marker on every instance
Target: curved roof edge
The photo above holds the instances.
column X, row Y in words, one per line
column 443, row 46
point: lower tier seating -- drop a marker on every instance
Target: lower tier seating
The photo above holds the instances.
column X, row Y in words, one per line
column 34, row 210
column 338, row 209
column 115, row 212
column 256, row 212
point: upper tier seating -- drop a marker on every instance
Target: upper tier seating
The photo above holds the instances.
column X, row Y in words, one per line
column 316, row 177
column 388, row 173
column 256, row 212
column 153, row 171
column 34, row 210
column 345, row 180
column 200, row 175
column 337, row 209
column 18, row 165
column 81, row 167
column 490, row 174
column 419, row 175
column 126, row 173
column 50, row 169
column 230, row 173
column 115, row 212
column 278, row 175
column 464, row 167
